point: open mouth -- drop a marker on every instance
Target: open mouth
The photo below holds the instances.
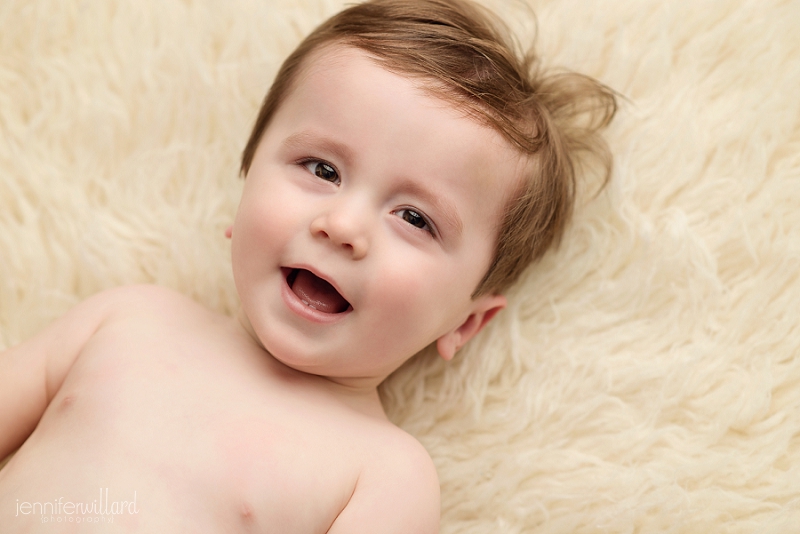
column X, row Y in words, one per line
column 315, row 292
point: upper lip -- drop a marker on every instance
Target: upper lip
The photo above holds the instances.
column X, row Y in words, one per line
column 289, row 268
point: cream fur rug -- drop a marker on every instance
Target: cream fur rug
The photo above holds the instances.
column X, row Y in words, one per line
column 646, row 376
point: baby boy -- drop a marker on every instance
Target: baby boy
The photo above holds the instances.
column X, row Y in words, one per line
column 404, row 169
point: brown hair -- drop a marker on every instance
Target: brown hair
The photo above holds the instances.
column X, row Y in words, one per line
column 464, row 56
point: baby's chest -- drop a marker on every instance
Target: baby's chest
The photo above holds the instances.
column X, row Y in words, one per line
column 269, row 472
column 224, row 443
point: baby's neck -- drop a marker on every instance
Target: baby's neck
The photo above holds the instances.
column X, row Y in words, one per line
column 361, row 394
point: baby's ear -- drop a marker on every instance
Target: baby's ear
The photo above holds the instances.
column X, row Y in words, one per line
column 229, row 231
column 483, row 309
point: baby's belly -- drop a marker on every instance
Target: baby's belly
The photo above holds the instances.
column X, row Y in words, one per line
column 137, row 455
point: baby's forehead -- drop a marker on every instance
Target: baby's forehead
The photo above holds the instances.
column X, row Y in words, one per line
column 352, row 75
column 328, row 56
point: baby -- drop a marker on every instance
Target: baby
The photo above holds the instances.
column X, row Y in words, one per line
column 404, row 169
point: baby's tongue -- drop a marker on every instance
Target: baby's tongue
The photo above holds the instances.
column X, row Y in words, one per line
column 317, row 293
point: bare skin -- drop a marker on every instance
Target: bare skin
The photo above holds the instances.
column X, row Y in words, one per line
column 211, row 433
column 357, row 243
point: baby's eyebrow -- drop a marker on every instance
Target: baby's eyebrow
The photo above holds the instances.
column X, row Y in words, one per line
column 305, row 139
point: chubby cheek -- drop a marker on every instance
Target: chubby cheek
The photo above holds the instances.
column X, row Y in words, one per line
column 260, row 226
column 418, row 303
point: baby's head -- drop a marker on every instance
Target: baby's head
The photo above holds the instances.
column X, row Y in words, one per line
column 410, row 132
column 458, row 52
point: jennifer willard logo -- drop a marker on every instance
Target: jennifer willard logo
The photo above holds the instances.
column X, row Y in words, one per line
column 100, row 510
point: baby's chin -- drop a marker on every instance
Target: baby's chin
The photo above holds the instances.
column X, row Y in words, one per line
column 328, row 364
column 283, row 355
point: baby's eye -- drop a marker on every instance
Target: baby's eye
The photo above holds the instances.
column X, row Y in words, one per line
column 414, row 218
column 322, row 170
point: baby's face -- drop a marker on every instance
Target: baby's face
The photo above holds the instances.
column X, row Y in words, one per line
column 369, row 216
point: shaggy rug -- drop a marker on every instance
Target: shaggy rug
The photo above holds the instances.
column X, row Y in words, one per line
column 646, row 374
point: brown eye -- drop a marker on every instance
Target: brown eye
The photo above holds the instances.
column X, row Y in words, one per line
column 414, row 218
column 323, row 170
column 326, row 172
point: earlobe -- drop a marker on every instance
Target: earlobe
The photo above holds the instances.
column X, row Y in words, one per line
column 447, row 345
column 229, row 231
column 484, row 309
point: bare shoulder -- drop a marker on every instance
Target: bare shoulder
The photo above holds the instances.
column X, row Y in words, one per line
column 125, row 305
column 32, row 372
column 145, row 301
column 397, row 491
column 144, row 296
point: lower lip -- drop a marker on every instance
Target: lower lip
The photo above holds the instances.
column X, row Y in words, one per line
column 300, row 308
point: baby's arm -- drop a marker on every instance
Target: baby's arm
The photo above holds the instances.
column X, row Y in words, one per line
column 32, row 372
column 397, row 495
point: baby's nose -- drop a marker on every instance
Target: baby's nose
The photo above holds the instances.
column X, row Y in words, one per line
column 344, row 228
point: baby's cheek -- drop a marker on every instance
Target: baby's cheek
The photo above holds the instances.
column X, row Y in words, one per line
column 262, row 230
column 411, row 298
